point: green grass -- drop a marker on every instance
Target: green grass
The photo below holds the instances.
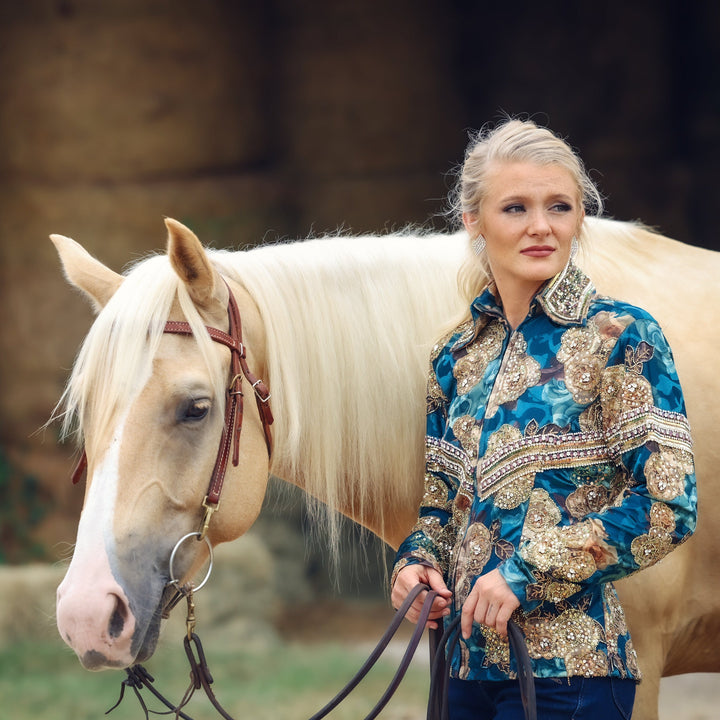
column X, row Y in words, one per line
column 46, row 682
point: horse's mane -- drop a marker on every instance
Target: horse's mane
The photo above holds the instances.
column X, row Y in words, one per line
column 349, row 323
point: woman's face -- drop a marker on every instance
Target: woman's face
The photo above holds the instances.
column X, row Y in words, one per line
column 528, row 218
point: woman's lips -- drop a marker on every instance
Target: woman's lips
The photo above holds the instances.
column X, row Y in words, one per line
column 538, row 251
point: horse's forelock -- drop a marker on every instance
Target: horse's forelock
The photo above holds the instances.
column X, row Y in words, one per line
column 115, row 359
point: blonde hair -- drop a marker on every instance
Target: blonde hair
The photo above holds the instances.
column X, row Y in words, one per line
column 510, row 141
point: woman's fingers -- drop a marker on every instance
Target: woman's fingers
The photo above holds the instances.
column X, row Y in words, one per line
column 478, row 610
column 490, row 616
column 407, row 579
column 439, row 609
column 491, row 602
column 502, row 618
column 471, row 608
column 436, row 581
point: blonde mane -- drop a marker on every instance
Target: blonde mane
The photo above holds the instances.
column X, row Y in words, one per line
column 349, row 323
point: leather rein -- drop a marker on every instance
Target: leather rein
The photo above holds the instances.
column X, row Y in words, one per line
column 442, row 646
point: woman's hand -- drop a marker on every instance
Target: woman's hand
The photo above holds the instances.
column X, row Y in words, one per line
column 491, row 602
column 407, row 579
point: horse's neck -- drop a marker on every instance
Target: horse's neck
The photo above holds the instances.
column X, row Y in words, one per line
column 347, row 368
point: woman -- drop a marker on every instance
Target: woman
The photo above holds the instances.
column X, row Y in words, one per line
column 558, row 452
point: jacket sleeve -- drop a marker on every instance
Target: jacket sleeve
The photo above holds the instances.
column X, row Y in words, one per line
column 430, row 540
column 643, row 420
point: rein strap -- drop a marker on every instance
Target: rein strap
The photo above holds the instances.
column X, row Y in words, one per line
column 442, row 647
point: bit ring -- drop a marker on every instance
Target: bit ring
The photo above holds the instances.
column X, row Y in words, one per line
column 175, row 581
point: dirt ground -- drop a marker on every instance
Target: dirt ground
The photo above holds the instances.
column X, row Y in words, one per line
column 690, row 697
column 683, row 697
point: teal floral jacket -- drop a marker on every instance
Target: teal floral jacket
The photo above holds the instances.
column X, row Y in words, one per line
column 559, row 453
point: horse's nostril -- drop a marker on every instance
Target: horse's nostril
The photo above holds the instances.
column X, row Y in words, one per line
column 117, row 619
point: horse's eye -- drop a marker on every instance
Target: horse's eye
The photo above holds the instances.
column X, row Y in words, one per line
column 194, row 410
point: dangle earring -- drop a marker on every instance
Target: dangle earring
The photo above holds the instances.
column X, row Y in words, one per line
column 478, row 244
column 574, row 246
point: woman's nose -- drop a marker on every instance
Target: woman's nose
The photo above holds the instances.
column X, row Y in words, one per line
column 539, row 224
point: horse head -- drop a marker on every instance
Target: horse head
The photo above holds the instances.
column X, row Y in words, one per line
column 149, row 407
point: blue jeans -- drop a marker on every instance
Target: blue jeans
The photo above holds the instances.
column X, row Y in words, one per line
column 573, row 698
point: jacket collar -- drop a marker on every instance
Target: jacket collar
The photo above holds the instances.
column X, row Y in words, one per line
column 565, row 299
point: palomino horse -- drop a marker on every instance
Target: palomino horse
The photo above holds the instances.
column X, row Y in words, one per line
column 339, row 329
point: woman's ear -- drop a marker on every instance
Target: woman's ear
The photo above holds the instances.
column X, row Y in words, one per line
column 470, row 221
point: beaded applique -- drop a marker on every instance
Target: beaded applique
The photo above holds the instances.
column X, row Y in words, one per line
column 528, row 455
column 657, row 543
column 568, row 295
column 470, row 369
column 519, row 372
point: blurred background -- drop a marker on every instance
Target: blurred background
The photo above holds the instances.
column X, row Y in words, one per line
column 252, row 121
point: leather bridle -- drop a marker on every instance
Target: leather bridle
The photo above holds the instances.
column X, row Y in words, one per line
column 234, row 406
column 230, row 438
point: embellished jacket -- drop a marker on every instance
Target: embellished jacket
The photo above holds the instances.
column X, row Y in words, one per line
column 559, row 453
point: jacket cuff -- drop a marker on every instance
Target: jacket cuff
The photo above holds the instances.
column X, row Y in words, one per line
column 404, row 562
column 518, row 576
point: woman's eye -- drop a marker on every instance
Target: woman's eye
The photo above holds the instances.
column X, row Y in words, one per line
column 516, row 208
column 562, row 207
column 194, row 410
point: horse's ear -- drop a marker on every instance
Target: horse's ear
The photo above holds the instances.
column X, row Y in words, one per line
column 190, row 261
column 85, row 272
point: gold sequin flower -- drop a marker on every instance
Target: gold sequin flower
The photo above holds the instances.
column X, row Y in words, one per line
column 665, row 473
column 470, row 369
column 656, row 544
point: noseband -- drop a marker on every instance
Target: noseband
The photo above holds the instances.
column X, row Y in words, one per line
column 230, row 438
